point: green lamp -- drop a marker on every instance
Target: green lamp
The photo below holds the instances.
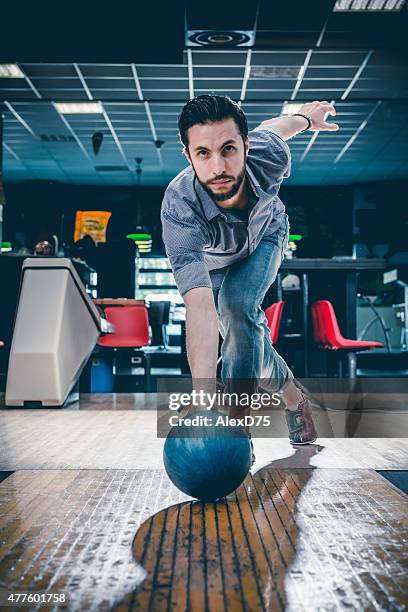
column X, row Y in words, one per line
column 142, row 241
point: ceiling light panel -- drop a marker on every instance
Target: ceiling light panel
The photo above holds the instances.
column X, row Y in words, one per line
column 11, row 71
column 79, row 108
column 368, row 5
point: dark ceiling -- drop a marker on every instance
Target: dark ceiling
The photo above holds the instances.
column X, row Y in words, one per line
column 140, row 63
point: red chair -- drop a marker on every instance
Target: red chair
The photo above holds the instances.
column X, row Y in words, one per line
column 273, row 316
column 327, row 335
column 131, row 331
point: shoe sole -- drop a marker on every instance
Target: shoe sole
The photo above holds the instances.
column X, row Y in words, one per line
column 302, row 443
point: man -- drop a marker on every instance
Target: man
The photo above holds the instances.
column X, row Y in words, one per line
column 225, row 231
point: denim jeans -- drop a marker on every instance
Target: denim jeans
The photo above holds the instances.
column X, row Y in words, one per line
column 247, row 351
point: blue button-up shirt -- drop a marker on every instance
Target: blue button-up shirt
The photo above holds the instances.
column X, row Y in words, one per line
column 202, row 239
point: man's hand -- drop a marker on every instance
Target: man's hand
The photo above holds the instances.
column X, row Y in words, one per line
column 287, row 126
column 317, row 113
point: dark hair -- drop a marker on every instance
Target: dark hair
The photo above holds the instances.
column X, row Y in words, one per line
column 208, row 108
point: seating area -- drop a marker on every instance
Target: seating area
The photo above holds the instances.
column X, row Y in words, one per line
column 327, row 336
column 130, row 336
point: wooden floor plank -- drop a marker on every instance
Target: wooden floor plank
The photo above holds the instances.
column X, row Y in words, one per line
column 281, row 523
column 265, row 568
column 234, row 598
column 179, row 595
column 216, row 596
column 250, row 588
column 31, row 509
column 271, row 550
column 195, row 534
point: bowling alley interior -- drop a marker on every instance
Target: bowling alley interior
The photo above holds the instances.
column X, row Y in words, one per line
column 104, row 503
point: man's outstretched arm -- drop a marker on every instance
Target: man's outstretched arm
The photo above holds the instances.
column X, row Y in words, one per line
column 287, row 126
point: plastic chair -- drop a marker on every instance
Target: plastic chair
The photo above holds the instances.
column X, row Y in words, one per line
column 159, row 317
column 131, row 331
column 273, row 316
column 327, row 335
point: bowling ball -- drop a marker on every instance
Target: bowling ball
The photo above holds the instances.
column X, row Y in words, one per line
column 207, row 460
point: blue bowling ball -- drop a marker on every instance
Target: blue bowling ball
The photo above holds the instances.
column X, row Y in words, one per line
column 209, row 459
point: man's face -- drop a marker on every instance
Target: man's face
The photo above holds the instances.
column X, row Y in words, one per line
column 217, row 153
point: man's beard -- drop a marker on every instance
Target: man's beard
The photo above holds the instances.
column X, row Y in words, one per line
column 226, row 195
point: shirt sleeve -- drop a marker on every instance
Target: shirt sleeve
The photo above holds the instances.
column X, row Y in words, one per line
column 271, row 157
column 184, row 240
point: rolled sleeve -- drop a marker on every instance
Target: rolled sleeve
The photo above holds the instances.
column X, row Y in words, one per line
column 272, row 156
column 184, row 240
column 190, row 276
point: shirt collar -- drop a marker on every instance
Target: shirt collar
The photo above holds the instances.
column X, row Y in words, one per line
column 253, row 181
column 211, row 210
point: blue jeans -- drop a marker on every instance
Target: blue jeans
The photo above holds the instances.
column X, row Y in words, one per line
column 247, row 351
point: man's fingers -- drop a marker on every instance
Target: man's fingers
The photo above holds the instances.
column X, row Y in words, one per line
column 327, row 126
column 329, row 108
column 330, row 126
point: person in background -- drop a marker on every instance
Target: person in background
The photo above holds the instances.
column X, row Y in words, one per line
column 43, row 249
column 85, row 249
column 115, row 261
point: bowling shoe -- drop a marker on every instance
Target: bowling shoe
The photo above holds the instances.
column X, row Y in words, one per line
column 300, row 424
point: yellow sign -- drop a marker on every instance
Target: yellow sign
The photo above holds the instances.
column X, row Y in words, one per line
column 92, row 222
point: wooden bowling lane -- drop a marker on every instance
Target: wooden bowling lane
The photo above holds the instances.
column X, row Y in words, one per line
column 121, row 433
column 71, row 531
column 230, row 555
column 87, row 478
column 287, row 539
column 293, row 538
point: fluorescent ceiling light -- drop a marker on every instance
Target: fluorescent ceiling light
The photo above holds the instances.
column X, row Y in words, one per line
column 79, row 108
column 10, row 71
column 290, row 108
column 368, row 5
